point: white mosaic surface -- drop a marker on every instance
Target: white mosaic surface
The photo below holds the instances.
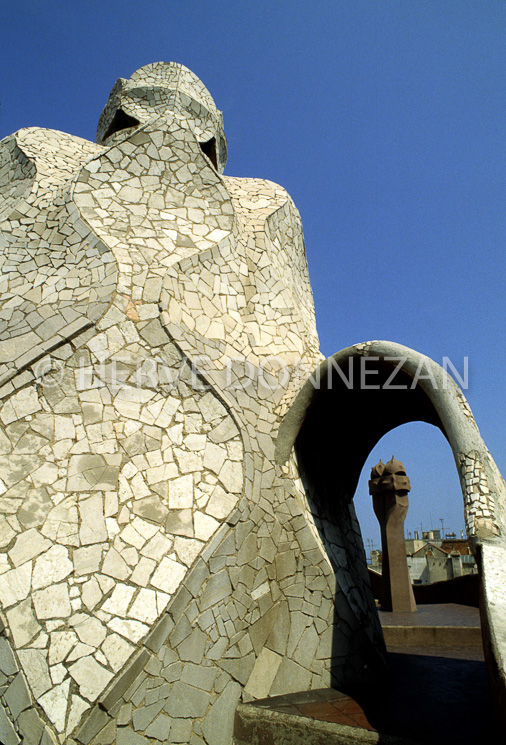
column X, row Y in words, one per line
column 158, row 564
column 155, row 559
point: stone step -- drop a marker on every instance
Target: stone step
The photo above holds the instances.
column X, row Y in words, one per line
column 435, row 625
column 432, row 636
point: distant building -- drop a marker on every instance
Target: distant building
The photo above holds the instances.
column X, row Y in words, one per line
column 433, row 559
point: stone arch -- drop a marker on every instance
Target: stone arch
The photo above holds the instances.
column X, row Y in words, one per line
column 359, row 394
column 362, row 392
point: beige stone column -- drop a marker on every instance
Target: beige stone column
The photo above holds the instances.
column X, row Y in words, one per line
column 389, row 487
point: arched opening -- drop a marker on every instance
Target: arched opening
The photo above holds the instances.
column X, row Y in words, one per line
column 354, row 411
column 341, row 413
column 363, row 392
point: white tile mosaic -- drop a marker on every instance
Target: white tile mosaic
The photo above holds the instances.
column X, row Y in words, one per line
column 155, row 557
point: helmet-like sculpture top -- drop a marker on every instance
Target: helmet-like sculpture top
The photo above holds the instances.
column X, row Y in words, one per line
column 155, row 89
column 389, row 476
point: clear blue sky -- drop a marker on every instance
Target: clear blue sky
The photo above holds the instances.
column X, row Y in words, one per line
column 384, row 119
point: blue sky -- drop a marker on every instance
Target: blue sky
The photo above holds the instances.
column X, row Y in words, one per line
column 383, row 119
